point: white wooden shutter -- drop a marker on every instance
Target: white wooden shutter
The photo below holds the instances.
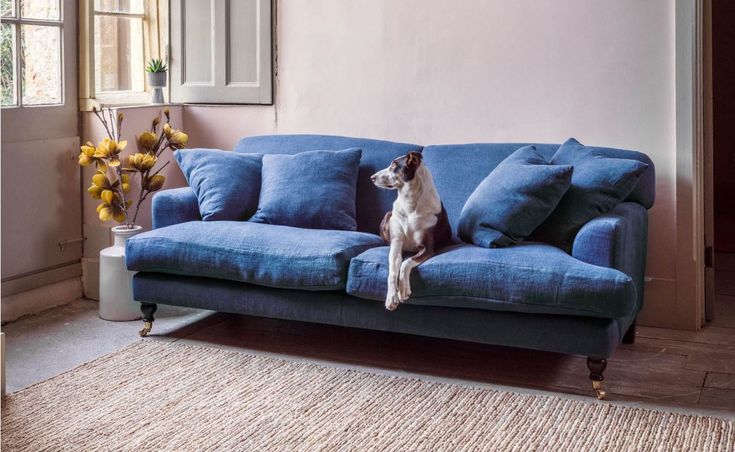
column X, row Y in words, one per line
column 221, row 51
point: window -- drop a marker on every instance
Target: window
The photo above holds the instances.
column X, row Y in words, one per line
column 220, row 50
column 117, row 38
column 31, row 63
column 118, row 45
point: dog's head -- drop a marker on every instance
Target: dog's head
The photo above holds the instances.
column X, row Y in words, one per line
column 400, row 172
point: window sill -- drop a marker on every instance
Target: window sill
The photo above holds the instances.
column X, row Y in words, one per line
column 118, row 100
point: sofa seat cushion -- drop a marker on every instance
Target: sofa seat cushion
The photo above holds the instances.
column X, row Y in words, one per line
column 267, row 255
column 530, row 277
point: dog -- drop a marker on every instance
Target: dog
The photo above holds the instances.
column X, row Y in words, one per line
column 418, row 222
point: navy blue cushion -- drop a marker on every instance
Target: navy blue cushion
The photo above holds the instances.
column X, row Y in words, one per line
column 268, row 255
column 314, row 189
column 372, row 202
column 513, row 200
column 528, row 277
column 226, row 184
column 598, row 185
column 458, row 169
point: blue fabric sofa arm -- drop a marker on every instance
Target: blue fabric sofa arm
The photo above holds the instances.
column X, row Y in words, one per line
column 173, row 206
column 617, row 240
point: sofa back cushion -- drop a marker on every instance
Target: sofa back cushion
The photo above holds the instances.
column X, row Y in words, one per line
column 372, row 203
column 459, row 168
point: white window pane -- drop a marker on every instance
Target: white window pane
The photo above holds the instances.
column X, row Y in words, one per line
column 7, row 65
column 41, row 67
column 40, row 9
column 7, row 8
column 120, row 6
column 119, row 60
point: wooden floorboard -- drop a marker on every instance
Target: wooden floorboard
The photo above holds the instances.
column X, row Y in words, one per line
column 718, row 398
column 719, row 380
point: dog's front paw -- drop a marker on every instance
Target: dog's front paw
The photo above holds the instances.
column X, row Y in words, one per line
column 404, row 289
column 392, row 301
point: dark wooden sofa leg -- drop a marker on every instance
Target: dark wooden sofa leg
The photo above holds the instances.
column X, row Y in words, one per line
column 629, row 337
column 597, row 367
column 148, row 309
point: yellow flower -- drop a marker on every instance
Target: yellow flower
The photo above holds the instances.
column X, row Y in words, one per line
column 105, row 190
column 89, row 155
column 155, row 183
column 113, row 211
column 107, row 196
column 155, row 123
column 167, row 112
column 176, row 138
column 110, row 149
column 147, row 140
column 141, row 162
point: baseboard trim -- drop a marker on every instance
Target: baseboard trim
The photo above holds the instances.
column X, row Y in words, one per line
column 39, row 299
column 25, row 283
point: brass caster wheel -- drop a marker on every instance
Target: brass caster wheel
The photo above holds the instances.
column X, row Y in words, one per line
column 147, row 326
column 599, row 391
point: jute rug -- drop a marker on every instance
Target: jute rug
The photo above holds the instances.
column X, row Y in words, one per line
column 169, row 396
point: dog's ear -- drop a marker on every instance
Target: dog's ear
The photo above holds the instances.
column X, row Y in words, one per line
column 414, row 159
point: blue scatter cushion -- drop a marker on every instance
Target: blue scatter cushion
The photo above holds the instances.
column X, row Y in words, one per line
column 598, row 185
column 226, row 184
column 513, row 200
column 313, row 190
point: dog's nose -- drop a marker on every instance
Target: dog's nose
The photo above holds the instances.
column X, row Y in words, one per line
column 373, row 177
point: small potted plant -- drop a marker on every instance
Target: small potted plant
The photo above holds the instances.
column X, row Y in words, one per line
column 157, row 71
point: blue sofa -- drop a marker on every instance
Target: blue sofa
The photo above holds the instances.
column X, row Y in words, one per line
column 531, row 295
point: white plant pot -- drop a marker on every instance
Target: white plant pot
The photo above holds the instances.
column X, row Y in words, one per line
column 157, row 81
column 116, row 282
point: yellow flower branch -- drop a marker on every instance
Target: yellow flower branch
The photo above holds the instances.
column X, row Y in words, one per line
column 106, row 156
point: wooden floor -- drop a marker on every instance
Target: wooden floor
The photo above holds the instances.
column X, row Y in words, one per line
column 663, row 367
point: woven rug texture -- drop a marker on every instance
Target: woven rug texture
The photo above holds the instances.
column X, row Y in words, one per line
column 169, row 396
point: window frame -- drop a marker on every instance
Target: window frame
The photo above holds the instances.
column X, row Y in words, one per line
column 17, row 21
column 152, row 48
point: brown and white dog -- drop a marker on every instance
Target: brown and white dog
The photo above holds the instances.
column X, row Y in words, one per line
column 418, row 222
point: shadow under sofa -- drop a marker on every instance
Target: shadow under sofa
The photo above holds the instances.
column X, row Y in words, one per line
column 530, row 295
